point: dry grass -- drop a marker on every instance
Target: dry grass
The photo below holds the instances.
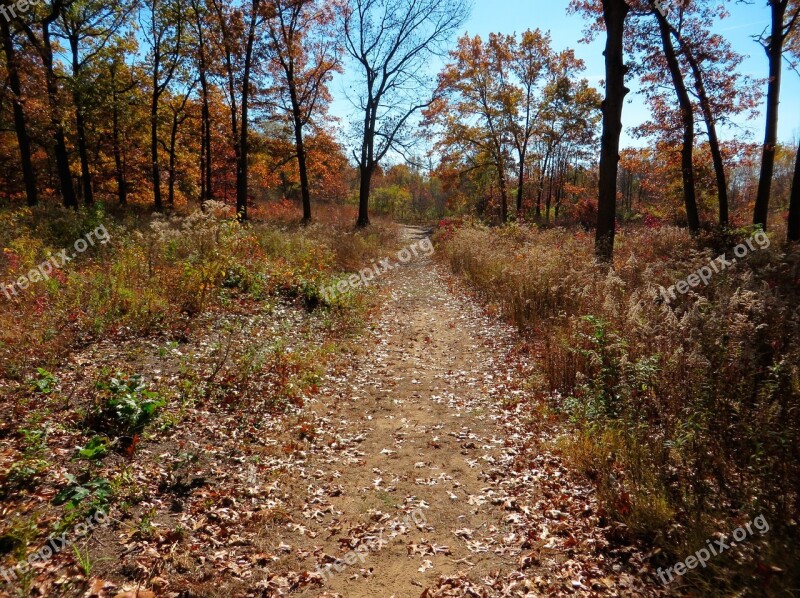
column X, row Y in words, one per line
column 684, row 414
column 158, row 273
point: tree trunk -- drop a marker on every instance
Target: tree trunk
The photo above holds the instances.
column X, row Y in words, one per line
column 363, row 196
column 713, row 139
column 173, row 136
column 687, row 119
column 20, row 123
column 614, row 13
column 501, row 179
column 80, row 124
column 775, row 55
column 794, row 202
column 60, row 145
column 207, row 193
column 242, row 170
column 542, row 175
column 119, row 165
column 366, row 165
column 158, row 203
column 521, row 185
column 305, row 190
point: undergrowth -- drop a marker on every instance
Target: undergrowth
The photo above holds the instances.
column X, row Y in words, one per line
column 685, row 414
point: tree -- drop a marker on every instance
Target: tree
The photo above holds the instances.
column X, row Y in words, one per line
column 200, row 22
column 716, row 92
column 784, row 16
column 794, row 197
column 480, row 103
column 794, row 203
column 239, row 29
column 687, row 120
column 392, row 42
column 614, row 14
column 87, row 26
column 304, row 54
column 530, row 58
column 20, row 120
column 164, row 32
column 43, row 44
column 120, row 80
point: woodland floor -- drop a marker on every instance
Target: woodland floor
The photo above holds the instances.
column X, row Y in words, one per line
column 422, row 450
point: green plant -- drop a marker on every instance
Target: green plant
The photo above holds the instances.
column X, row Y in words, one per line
column 96, row 448
column 84, row 560
column 129, row 406
column 98, row 490
column 145, row 527
column 45, row 382
column 33, row 441
column 23, row 473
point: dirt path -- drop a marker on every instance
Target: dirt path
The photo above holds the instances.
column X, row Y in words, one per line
column 423, row 478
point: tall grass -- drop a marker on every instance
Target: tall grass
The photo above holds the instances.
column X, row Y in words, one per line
column 157, row 273
column 685, row 414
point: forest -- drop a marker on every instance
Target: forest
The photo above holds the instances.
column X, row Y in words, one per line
column 344, row 298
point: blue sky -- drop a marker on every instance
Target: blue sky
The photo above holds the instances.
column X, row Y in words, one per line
column 509, row 16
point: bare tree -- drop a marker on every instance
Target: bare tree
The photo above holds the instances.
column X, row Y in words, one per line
column 392, row 41
column 162, row 28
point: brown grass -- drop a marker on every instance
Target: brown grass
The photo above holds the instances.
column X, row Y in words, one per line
column 684, row 414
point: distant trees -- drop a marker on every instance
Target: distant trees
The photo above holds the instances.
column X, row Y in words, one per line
column 167, row 101
column 513, row 108
column 113, row 82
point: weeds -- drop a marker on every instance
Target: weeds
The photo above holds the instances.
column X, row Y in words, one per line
column 682, row 414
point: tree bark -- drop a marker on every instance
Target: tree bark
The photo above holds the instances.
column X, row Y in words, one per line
column 59, row 138
column 119, row 162
column 521, row 185
column 80, row 123
column 157, row 201
column 206, row 190
column 775, row 56
column 297, row 116
column 713, row 139
column 614, row 13
column 363, row 196
column 794, row 202
column 20, row 122
column 366, row 165
column 242, row 170
column 501, row 180
column 173, row 136
column 687, row 120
